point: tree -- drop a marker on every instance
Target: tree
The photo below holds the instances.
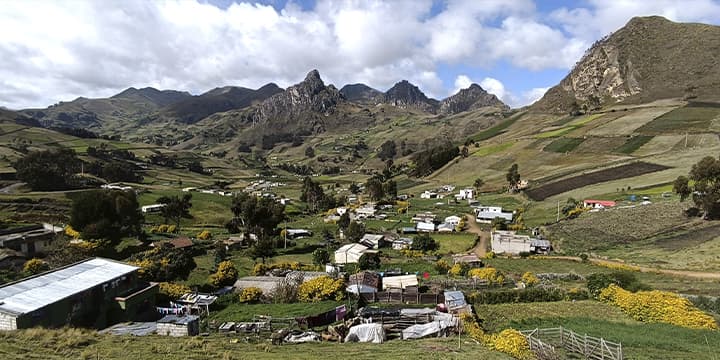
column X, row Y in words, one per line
column 513, row 177
column 705, row 191
column 424, row 242
column 220, row 254
column 498, row 223
column 369, row 261
column 374, row 188
column 387, row 150
column 390, row 189
column 101, row 214
column 570, row 205
column 257, row 215
column 313, row 194
column 465, row 152
column 196, row 167
column 262, row 249
column 176, row 208
column 48, row 170
column 321, row 257
column 344, row 221
column 309, row 152
column 355, row 231
column 478, row 183
column 164, row 264
column 354, row 189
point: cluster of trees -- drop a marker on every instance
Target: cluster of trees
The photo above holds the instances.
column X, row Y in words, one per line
column 433, row 158
column 164, row 264
column 513, row 178
column 388, row 150
column 259, row 216
column 176, row 208
column 48, row 169
column 100, row 214
column 104, row 153
column 313, row 194
column 268, row 141
column 82, row 133
column 163, row 160
column 115, row 171
column 299, row 169
column 424, row 242
column 380, row 187
column 705, row 188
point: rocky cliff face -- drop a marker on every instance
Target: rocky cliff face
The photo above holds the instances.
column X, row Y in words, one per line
column 360, row 93
column 406, row 95
column 649, row 58
column 472, row 98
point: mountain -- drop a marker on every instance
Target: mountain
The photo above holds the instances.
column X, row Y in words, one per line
column 360, row 93
column 193, row 109
column 9, row 116
column 158, row 97
column 105, row 114
column 649, row 58
column 472, row 98
column 406, row 95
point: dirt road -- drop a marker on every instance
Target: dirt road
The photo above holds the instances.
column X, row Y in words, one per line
column 473, row 227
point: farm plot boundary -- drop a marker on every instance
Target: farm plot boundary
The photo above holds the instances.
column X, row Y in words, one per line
column 619, row 172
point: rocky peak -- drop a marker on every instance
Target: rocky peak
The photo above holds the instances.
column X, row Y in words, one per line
column 406, row 95
column 360, row 93
column 472, row 98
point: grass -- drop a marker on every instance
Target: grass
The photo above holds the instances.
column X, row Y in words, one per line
column 684, row 119
column 79, row 344
column 492, row 149
column 245, row 312
column 496, row 130
column 639, row 340
column 555, row 133
column 455, row 243
column 633, row 144
column 563, row 145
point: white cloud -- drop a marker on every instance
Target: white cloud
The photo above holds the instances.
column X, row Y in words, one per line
column 97, row 48
column 461, row 82
column 495, row 87
column 532, row 95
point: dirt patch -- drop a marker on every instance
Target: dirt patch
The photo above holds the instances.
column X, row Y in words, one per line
column 620, row 172
column 691, row 237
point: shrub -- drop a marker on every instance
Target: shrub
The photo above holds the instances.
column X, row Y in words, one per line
column 529, row 279
column 626, row 280
column 321, row 257
column 527, row 295
column 459, row 269
column 162, row 228
column 35, row 266
column 226, row 274
column 442, row 266
column 69, row 231
column 369, row 261
column 204, row 235
column 424, row 242
column 490, row 255
column 250, row 295
column 509, row 341
column 584, row 257
column 321, row 288
column 260, row 269
column 490, row 274
column 173, row 290
column 658, row 306
column 171, row 229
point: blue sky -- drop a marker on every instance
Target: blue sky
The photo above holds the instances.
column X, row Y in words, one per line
column 515, row 49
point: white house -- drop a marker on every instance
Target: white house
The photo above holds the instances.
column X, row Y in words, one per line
column 598, row 204
column 486, row 214
column 366, row 211
column 152, row 208
column 454, row 220
column 402, row 243
column 426, row 226
column 349, row 253
column 466, row 194
column 423, row 217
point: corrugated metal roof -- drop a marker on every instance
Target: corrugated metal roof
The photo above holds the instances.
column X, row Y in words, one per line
column 492, row 215
column 37, row 292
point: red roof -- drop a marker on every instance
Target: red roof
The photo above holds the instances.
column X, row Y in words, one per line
column 605, row 203
column 181, row 242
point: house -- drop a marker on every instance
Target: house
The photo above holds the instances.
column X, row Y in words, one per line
column 471, row 259
column 430, row 195
column 598, row 204
column 364, row 282
column 408, row 230
column 352, row 199
column 297, row 233
column 179, row 325
column 372, row 241
column 29, row 240
column 447, row 188
column 152, row 208
column 402, row 243
column 486, row 214
column 425, row 227
column 92, row 293
column 424, row 217
column 399, row 282
column 454, row 220
column 349, row 253
column 510, row 242
column 366, row 211
column 466, row 194
column 445, row 227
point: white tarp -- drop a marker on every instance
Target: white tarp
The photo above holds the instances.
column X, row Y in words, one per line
column 399, row 282
column 308, row 336
column 373, row 333
column 440, row 322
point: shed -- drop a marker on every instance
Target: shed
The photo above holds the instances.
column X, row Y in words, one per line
column 372, row 241
column 425, row 226
column 174, row 325
column 399, row 282
column 349, row 253
column 454, row 220
column 446, row 227
column 402, row 243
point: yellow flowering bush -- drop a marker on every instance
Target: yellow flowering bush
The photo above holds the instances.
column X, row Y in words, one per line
column 487, row 273
column 457, row 270
column 162, row 228
column 509, row 341
column 618, row 266
column 35, row 266
column 250, row 295
column 69, row 231
column 173, row 290
column 260, row 269
column 204, row 235
column 321, row 288
column 490, row 255
column 226, row 274
column 658, row 306
column 412, row 253
column 442, row 266
column 145, row 265
column 529, row 279
column 171, row 229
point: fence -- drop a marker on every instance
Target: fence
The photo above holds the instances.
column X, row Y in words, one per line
column 404, row 298
column 589, row 347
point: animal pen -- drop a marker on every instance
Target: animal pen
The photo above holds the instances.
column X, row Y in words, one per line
column 589, row 347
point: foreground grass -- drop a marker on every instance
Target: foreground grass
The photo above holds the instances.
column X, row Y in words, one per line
column 639, row 340
column 80, row 344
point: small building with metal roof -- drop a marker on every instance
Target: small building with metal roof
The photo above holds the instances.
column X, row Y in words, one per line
column 92, row 293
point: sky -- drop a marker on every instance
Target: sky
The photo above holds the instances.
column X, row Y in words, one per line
column 53, row 51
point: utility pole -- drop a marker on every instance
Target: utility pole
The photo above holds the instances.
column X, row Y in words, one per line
column 286, row 230
column 558, row 212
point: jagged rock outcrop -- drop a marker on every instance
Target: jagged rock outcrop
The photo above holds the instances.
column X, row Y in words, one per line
column 407, row 96
column 649, row 58
column 472, row 98
column 360, row 93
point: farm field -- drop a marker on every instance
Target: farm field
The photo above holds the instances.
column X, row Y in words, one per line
column 639, row 340
column 633, row 143
column 619, row 172
column 689, row 118
column 628, row 124
column 563, row 145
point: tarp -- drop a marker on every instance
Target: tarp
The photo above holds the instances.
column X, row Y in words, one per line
column 373, row 333
column 441, row 321
column 357, row 289
column 307, row 336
